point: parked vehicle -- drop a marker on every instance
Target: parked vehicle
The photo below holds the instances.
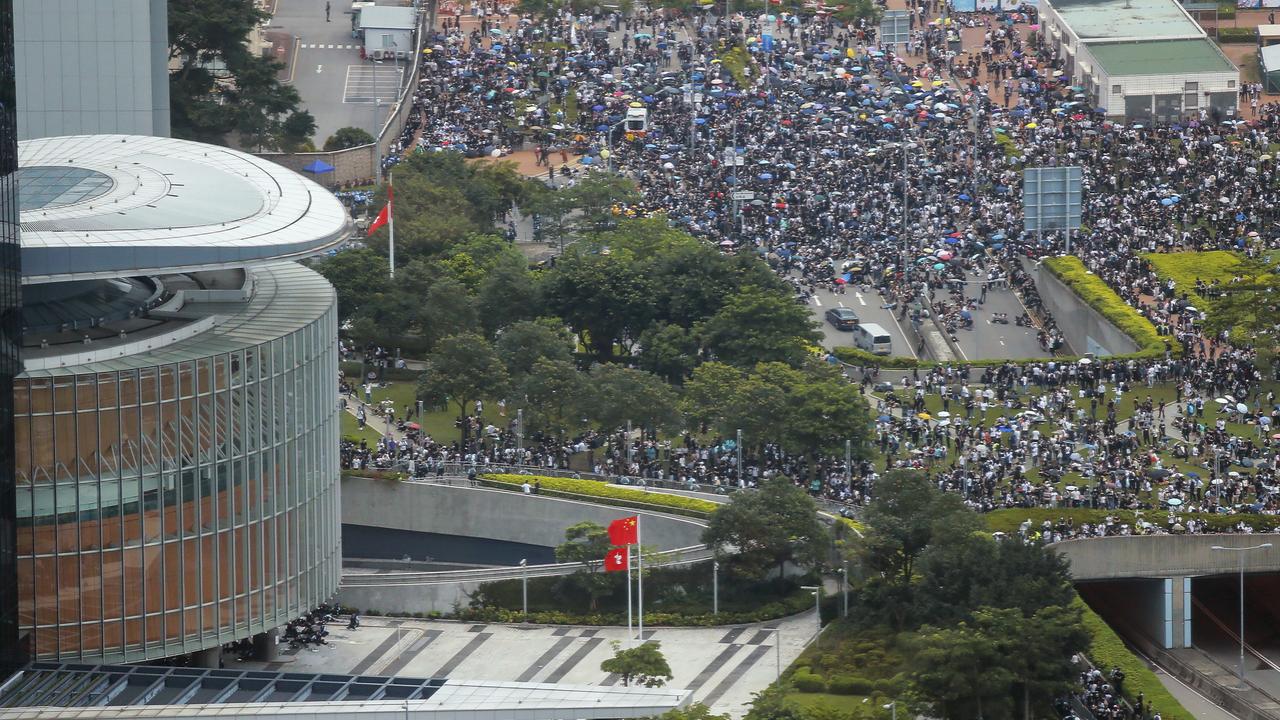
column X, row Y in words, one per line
column 873, row 339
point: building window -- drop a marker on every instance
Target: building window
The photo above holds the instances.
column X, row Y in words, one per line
column 1190, row 86
column 1190, row 101
column 1231, row 83
column 1116, row 89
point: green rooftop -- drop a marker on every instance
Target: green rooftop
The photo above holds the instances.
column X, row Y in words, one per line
column 1128, row 19
column 1160, row 57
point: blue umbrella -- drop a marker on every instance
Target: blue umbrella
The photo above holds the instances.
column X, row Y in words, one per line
column 587, row 160
column 951, row 240
column 318, row 167
column 883, row 418
column 765, row 176
column 965, row 197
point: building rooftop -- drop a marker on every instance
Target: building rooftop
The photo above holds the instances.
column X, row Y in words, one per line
column 49, row 690
column 1127, row 19
column 382, row 17
column 1160, row 57
column 1270, row 58
column 102, row 206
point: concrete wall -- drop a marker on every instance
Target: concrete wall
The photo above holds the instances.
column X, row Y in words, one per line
column 475, row 512
column 1085, row 329
column 495, row 514
column 1166, row 556
column 91, row 67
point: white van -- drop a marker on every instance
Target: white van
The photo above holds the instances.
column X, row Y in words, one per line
column 873, row 339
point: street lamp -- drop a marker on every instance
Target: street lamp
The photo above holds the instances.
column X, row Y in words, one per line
column 893, row 707
column 844, row 587
column 524, row 587
column 1241, row 551
column 715, row 587
column 817, row 610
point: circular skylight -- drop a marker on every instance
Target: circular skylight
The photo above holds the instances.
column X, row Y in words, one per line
column 46, row 186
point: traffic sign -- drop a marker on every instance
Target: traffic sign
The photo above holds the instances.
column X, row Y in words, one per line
column 743, row 195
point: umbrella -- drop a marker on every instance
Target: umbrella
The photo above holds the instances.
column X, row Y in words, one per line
column 924, row 416
column 1173, row 502
column 939, row 266
column 883, row 418
column 1241, row 407
column 318, row 167
column 413, row 426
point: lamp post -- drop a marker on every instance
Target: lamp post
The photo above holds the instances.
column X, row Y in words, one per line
column 524, row 588
column 892, row 707
column 715, row 587
column 844, row 587
column 777, row 652
column 907, row 147
column 817, row 610
column 1241, row 551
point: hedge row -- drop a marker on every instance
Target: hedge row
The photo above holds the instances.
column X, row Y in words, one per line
column 793, row 605
column 805, row 680
column 605, row 493
column 1237, row 35
column 1099, row 296
column 1107, row 651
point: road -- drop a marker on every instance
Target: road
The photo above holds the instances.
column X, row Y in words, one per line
column 337, row 87
column 869, row 307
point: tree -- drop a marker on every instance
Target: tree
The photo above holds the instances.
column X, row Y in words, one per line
column 357, row 276
column 296, row 132
column 906, row 514
column 758, row 325
column 524, row 343
column 448, row 310
column 606, row 299
column 696, row 711
column 595, row 195
column 669, row 351
column 644, row 664
column 617, row 395
column 974, row 570
column 584, row 543
column 217, row 86
column 506, row 295
column 770, row 527
column 552, row 395
column 1248, row 309
column 463, row 368
column 348, row 137
column 709, row 395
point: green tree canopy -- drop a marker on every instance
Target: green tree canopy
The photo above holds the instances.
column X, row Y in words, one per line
column 524, row 343
column 758, row 325
column 643, row 664
column 775, row 525
column 347, row 137
column 1249, row 310
column 606, row 299
column 462, row 369
column 617, row 395
column 552, row 395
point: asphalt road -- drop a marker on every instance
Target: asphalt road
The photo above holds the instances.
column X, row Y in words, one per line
column 868, row 307
column 336, row 86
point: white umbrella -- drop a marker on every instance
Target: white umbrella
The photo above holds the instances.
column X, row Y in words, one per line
column 1085, row 361
column 944, row 414
column 1173, row 502
column 1242, row 407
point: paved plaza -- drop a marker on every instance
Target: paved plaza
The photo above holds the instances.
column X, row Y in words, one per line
column 722, row 666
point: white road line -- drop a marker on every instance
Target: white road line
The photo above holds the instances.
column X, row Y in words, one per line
column 319, row 68
column 330, row 47
column 816, row 301
column 860, row 299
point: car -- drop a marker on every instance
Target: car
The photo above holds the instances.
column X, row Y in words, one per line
column 842, row 317
column 883, row 386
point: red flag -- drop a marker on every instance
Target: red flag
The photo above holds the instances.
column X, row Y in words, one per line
column 383, row 216
column 623, row 531
column 617, row 560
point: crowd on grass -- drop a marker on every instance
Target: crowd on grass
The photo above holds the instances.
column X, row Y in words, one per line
column 900, row 174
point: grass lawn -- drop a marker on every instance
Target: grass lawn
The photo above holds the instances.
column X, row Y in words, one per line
column 351, row 429
column 1184, row 268
column 436, row 423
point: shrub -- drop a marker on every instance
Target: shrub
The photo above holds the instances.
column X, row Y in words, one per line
column 1107, row 650
column 858, row 356
column 1237, row 35
column 605, row 493
column 736, row 61
column 805, row 681
column 850, row 685
column 1111, row 306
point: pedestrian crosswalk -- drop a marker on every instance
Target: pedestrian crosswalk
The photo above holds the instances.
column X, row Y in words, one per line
column 323, row 46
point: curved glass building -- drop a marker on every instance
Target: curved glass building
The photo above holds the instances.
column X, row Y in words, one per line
column 176, row 425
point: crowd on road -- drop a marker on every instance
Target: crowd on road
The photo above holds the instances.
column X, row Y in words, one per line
column 898, row 172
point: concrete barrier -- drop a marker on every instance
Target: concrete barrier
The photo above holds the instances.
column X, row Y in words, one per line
column 1166, row 556
column 480, row 512
column 1085, row 329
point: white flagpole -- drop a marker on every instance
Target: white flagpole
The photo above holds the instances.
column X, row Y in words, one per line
column 628, row 591
column 640, row 580
column 391, row 218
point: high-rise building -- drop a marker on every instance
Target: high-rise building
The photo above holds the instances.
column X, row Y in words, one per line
column 11, row 650
column 91, row 67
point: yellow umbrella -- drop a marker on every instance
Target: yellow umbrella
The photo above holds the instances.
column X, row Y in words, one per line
column 916, row 83
column 1032, row 126
column 925, row 416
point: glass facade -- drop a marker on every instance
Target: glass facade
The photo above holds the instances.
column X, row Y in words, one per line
column 12, row 649
column 172, row 508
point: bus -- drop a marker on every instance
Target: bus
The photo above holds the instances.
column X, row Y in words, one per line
column 873, row 339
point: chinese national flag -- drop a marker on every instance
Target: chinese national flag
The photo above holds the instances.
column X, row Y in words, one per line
column 383, row 216
column 616, row 560
column 623, row 530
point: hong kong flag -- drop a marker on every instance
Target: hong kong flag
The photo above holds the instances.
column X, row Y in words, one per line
column 617, row 560
column 624, row 531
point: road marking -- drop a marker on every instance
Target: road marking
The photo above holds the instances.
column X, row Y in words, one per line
column 816, row 301
column 1002, row 340
column 330, row 47
column 841, row 304
column 860, row 299
column 319, row 68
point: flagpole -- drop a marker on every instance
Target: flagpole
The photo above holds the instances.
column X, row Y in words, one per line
column 391, row 218
column 629, row 592
column 640, row 581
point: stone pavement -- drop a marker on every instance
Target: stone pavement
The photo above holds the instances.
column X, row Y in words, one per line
column 721, row 666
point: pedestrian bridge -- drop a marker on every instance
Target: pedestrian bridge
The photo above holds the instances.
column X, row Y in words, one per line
column 1165, row 556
